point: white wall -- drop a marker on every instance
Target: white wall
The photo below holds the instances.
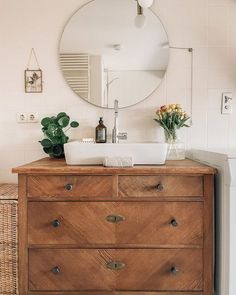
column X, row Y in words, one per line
column 207, row 25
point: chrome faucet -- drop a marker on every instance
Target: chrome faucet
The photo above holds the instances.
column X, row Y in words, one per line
column 116, row 135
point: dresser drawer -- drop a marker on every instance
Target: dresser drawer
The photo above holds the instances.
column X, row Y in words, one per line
column 116, row 223
column 160, row 186
column 70, row 186
column 73, row 269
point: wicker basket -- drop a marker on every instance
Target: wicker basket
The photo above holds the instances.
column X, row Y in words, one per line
column 8, row 239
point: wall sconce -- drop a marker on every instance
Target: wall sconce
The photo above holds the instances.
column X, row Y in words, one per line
column 140, row 19
column 145, row 3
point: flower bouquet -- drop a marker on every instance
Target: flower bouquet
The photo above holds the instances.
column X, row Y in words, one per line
column 171, row 117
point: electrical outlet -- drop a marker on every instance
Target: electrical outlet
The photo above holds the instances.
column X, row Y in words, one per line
column 27, row 117
column 21, row 117
column 32, row 118
column 226, row 106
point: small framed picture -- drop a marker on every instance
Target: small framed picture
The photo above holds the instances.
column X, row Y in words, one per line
column 33, row 81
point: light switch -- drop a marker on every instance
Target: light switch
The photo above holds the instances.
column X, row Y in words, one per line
column 226, row 106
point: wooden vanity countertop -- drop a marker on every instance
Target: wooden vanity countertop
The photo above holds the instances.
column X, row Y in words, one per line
column 59, row 166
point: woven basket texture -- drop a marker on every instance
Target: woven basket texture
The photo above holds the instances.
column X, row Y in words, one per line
column 8, row 191
column 8, row 240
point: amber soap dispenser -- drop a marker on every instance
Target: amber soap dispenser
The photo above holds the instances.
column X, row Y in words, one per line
column 101, row 132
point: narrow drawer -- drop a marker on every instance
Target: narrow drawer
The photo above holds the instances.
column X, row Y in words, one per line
column 156, row 270
column 70, row 186
column 160, row 186
column 149, row 224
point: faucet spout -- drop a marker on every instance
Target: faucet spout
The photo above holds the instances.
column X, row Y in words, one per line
column 115, row 129
column 115, row 133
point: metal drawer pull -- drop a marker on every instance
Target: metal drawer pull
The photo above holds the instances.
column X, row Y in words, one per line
column 56, row 223
column 69, row 187
column 115, row 265
column 160, row 187
column 174, row 270
column 55, row 270
column 113, row 218
column 174, row 223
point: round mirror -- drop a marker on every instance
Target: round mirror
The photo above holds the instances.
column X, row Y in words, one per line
column 113, row 49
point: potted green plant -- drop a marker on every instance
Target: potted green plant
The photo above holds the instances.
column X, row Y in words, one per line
column 54, row 134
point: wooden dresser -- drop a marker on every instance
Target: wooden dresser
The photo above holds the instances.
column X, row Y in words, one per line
column 91, row 230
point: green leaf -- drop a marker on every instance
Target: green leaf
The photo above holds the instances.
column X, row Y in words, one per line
column 47, row 150
column 46, row 143
column 52, row 129
column 54, row 139
column 64, row 139
column 58, row 132
column 54, row 120
column 74, row 124
column 46, row 121
column 64, row 121
column 62, row 114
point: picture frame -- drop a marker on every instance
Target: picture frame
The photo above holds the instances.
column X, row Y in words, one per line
column 33, row 81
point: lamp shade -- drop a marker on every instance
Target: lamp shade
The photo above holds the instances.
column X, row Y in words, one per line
column 140, row 21
column 145, row 3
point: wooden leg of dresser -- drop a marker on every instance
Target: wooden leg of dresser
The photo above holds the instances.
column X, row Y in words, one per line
column 22, row 237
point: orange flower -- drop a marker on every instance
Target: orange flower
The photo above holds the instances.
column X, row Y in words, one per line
column 163, row 108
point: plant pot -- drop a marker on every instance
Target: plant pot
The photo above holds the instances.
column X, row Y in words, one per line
column 57, row 157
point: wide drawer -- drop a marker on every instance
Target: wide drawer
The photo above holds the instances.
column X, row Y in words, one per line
column 70, row 186
column 160, row 186
column 116, row 223
column 110, row 269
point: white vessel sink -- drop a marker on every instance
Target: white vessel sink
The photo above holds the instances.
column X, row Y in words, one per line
column 78, row 153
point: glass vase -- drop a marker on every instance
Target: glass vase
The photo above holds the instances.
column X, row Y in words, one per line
column 176, row 148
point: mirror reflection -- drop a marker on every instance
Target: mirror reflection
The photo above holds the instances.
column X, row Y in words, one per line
column 113, row 49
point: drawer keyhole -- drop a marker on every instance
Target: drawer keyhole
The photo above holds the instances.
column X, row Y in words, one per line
column 56, row 270
column 69, row 187
column 56, row 223
column 174, row 270
column 160, row 187
column 174, row 223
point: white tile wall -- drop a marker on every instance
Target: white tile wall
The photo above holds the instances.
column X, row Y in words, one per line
column 207, row 25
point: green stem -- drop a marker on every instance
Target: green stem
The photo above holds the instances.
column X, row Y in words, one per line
column 67, row 129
